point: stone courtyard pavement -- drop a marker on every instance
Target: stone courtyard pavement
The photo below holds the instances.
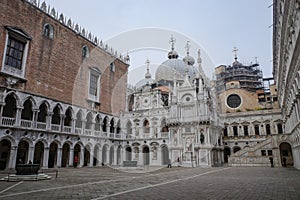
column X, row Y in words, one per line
column 164, row 183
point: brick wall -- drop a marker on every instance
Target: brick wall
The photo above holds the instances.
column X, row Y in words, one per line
column 55, row 68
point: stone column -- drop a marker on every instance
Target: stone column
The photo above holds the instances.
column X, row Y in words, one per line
column 91, row 157
column 61, row 125
column 71, row 157
column 151, row 131
column 45, row 158
column 34, row 117
column 58, row 158
column 12, row 157
column 49, row 120
column 1, row 111
column 81, row 157
column 73, row 123
column 99, row 158
column 30, row 154
column 18, row 115
column 115, row 162
column 141, row 156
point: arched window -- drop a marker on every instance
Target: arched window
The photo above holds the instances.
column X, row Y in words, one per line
column 268, row 129
column 48, row 31
column 27, row 110
column 85, row 52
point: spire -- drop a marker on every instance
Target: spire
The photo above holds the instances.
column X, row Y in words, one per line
column 172, row 42
column 188, row 59
column 235, row 50
column 147, row 75
column 187, row 47
column 172, row 54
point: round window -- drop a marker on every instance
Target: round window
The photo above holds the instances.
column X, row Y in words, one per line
column 187, row 98
column 234, row 101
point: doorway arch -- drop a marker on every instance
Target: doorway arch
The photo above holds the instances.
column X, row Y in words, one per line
column 38, row 153
column 52, row 155
column 286, row 154
column 146, row 155
column 22, row 153
column 65, row 155
column 165, row 155
column 5, row 146
column 128, row 153
column 227, row 153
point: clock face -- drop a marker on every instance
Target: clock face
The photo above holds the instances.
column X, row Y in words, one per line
column 146, row 101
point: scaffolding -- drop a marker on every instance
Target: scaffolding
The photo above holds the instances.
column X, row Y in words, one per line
column 250, row 77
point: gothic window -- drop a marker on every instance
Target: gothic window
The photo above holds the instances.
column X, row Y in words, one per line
column 89, row 121
column 10, row 107
column 112, row 126
column 112, row 67
column 146, row 126
column 27, row 113
column 43, row 110
column 98, row 123
column 94, row 84
column 268, row 129
column 225, row 132
column 104, row 125
column 263, row 152
column 15, row 52
column 246, row 133
column 234, row 101
column 56, row 115
column 68, row 117
column 129, row 128
column 48, row 31
column 85, row 52
column 279, row 128
column 235, row 131
column 256, row 129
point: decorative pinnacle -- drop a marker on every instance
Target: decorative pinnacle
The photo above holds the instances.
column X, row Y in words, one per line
column 235, row 50
column 172, row 42
column 199, row 57
column 147, row 75
column 187, row 47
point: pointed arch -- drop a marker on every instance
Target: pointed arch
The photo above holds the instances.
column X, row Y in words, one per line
column 112, row 125
column 10, row 107
column 98, row 121
column 129, row 127
column 89, row 121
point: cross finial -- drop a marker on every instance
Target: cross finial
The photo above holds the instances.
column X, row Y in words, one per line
column 235, row 50
column 147, row 75
column 147, row 63
column 187, row 47
column 172, row 42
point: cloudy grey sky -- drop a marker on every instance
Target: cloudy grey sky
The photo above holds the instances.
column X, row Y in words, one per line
column 215, row 26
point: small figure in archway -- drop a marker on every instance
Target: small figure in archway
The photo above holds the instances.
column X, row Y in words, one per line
column 29, row 162
column 75, row 161
column 170, row 164
column 20, row 161
column 271, row 161
column 284, row 161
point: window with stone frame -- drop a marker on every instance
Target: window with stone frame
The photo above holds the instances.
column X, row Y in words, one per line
column 48, row 31
column 112, row 67
column 256, row 129
column 94, row 84
column 225, row 132
column 246, row 132
column 235, row 130
column 15, row 52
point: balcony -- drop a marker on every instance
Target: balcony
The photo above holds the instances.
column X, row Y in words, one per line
column 56, row 128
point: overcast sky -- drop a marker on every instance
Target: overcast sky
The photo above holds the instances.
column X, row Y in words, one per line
column 215, row 26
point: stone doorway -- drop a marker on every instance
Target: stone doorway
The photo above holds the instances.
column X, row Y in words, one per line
column 286, row 154
column 5, row 147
